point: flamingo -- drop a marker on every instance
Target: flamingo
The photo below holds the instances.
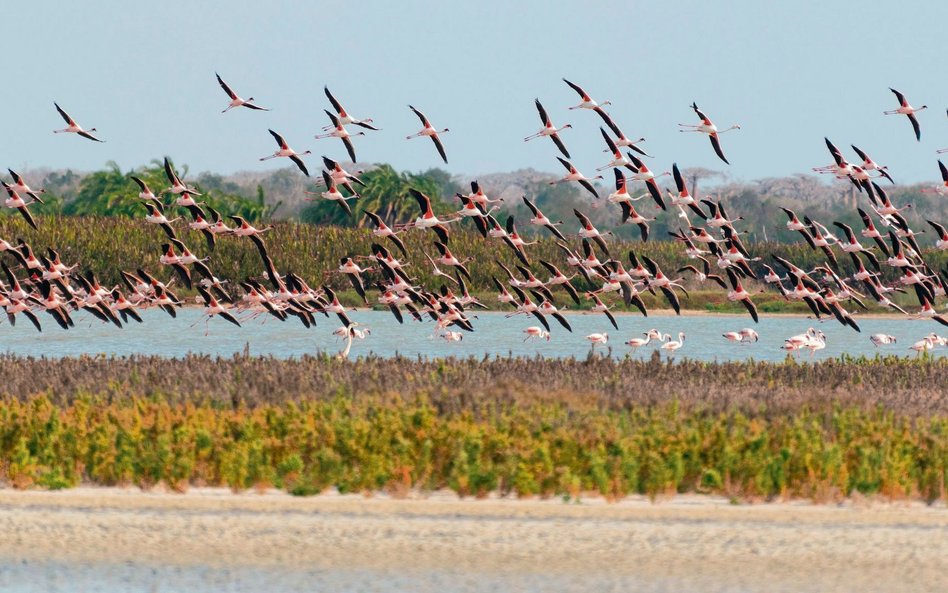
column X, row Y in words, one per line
column 870, row 165
column 621, row 195
column 923, row 345
column 22, row 188
column 882, row 340
column 574, row 175
column 235, row 100
column 617, row 159
column 705, row 274
column 641, row 172
column 383, row 230
column 817, row 342
column 429, row 131
column 601, row 307
column 740, row 294
column 428, row 219
column 15, row 201
column 942, row 188
column 636, row 343
column 145, row 192
column 621, row 140
column 942, row 242
column 177, row 186
column 339, row 131
column 451, row 336
column 588, row 102
column 536, row 332
column 332, row 193
column 286, row 151
column 73, row 127
column 744, row 336
column 670, row 346
column 906, row 109
column 588, row 231
column 213, row 308
column 707, row 127
column 549, row 130
column 540, row 219
column 800, row 340
column 684, row 197
column 344, row 117
column 597, row 338
column 345, row 332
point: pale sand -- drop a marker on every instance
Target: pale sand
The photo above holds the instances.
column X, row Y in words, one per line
column 210, row 540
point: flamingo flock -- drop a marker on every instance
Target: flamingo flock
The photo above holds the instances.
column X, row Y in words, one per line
column 708, row 234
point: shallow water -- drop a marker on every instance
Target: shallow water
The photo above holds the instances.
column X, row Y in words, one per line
column 56, row 577
column 494, row 334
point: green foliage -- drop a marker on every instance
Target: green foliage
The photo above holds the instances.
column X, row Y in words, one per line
column 385, row 192
column 112, row 193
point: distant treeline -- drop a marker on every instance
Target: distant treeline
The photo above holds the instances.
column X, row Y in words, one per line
column 282, row 194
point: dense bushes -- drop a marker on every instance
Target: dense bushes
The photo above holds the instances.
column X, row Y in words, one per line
column 521, row 426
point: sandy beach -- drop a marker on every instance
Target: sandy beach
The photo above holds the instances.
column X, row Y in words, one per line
column 106, row 539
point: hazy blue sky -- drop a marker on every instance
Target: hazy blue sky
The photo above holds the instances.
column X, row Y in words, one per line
column 788, row 72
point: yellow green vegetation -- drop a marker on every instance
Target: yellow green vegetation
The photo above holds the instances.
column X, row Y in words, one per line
column 460, row 427
column 311, row 250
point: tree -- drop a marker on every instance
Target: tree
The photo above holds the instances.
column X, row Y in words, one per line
column 385, row 192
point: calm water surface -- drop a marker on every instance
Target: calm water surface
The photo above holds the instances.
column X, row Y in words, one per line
column 494, row 334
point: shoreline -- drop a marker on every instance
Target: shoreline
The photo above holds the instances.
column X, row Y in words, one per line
column 688, row 542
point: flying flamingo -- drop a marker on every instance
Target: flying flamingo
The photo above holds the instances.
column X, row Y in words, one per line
column 344, row 117
column 177, row 186
column 589, row 103
column 235, row 100
column 73, row 127
column 707, row 127
column 942, row 188
column 339, row 131
column 575, row 175
column 288, row 152
column 540, row 219
column 428, row 219
column 21, row 187
column 549, row 130
column 429, row 131
column 870, row 165
column 906, row 109
column 641, row 172
column 332, row 193
column 15, row 201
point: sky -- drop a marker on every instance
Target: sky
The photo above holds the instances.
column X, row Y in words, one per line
column 789, row 73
